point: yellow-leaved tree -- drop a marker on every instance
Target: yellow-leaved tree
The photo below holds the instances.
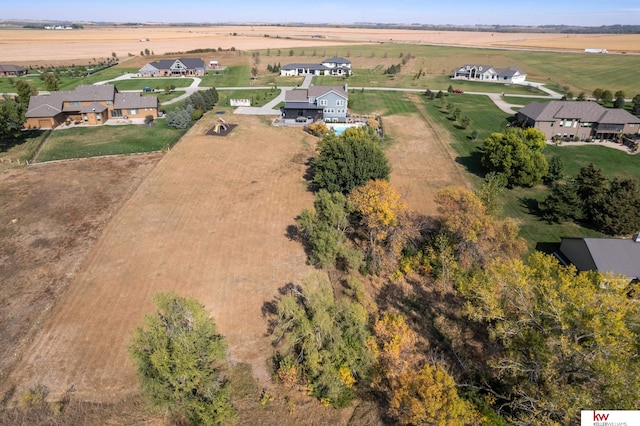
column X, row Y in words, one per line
column 384, row 218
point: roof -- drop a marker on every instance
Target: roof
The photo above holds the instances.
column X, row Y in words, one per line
column 301, row 105
column 584, row 111
column 190, row 63
column 296, row 96
column 134, row 100
column 617, row 255
column 52, row 104
column 336, row 60
column 317, row 91
column 310, row 66
column 509, row 72
column 11, row 68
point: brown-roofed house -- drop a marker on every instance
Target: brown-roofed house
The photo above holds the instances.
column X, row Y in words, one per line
column 584, row 120
column 88, row 104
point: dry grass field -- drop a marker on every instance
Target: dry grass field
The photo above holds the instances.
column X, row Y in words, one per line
column 23, row 46
column 209, row 221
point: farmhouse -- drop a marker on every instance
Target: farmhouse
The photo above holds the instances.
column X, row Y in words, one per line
column 331, row 66
column 582, row 120
column 87, row 104
column 12, row 70
column 328, row 103
column 620, row 256
column 489, row 73
column 174, row 67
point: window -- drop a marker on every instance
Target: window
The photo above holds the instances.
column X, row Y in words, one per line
column 133, row 111
column 75, row 103
column 116, row 113
column 109, row 102
column 339, row 102
column 323, row 102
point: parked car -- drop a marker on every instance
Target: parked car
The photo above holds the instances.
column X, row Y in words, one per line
column 147, row 89
column 457, row 91
column 301, row 119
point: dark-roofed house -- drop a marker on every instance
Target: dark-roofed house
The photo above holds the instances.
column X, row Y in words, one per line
column 88, row 104
column 620, row 256
column 331, row 66
column 584, row 120
column 7, row 70
column 328, row 103
column 489, row 73
column 174, row 67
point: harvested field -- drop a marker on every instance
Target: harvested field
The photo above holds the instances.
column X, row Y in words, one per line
column 27, row 46
column 210, row 222
column 51, row 216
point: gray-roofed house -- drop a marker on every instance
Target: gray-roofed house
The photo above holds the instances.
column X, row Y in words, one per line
column 620, row 256
column 328, row 103
column 174, row 67
column 90, row 104
column 331, row 66
column 584, row 120
column 489, row 73
column 338, row 66
column 7, row 70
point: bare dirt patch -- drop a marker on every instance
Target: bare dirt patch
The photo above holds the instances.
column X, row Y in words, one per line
column 51, row 215
column 422, row 160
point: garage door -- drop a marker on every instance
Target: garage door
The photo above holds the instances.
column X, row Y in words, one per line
column 44, row 124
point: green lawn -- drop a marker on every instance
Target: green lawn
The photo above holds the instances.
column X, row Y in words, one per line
column 379, row 102
column 157, row 82
column 520, row 203
column 233, row 76
column 83, row 142
column 258, row 97
column 66, row 83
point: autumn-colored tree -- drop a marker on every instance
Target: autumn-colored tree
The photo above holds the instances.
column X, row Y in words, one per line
column 477, row 236
column 395, row 349
column 429, row 396
column 384, row 219
column 569, row 340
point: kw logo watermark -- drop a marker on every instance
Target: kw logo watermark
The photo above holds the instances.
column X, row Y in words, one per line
column 609, row 418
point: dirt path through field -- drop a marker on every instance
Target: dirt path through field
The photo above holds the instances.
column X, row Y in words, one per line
column 208, row 222
column 422, row 158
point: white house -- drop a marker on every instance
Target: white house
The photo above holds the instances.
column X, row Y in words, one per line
column 331, row 66
column 489, row 73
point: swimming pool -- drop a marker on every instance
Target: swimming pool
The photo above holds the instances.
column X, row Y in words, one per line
column 339, row 128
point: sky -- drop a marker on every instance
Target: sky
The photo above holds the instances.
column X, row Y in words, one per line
column 438, row 12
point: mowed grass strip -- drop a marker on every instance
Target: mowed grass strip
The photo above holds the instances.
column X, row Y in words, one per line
column 158, row 82
column 257, row 97
column 379, row 102
column 232, row 76
column 81, row 142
